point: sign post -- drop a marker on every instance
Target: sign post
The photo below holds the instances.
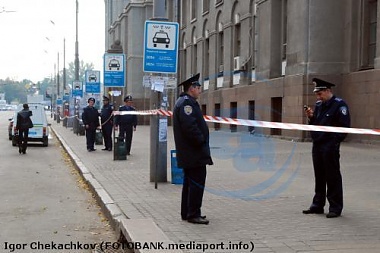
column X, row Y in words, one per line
column 160, row 57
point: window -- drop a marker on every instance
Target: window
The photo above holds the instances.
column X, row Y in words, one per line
column 276, row 114
column 206, row 57
column 194, row 8
column 233, row 114
column 237, row 38
column 220, row 51
column 251, row 115
column 194, row 65
column 369, row 27
column 206, row 6
column 284, row 21
column 253, row 38
column 184, row 12
column 217, row 113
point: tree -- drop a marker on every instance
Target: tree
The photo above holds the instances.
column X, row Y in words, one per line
column 14, row 91
column 70, row 72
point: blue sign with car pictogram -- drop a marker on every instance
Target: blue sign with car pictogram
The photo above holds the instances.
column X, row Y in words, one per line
column 92, row 81
column 114, row 70
column 160, row 47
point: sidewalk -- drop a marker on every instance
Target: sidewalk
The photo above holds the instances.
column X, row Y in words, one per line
column 255, row 193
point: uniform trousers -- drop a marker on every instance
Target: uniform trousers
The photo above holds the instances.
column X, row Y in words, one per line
column 192, row 192
column 126, row 132
column 107, row 135
column 90, row 138
column 327, row 173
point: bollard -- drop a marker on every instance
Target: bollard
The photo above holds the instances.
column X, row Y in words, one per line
column 119, row 149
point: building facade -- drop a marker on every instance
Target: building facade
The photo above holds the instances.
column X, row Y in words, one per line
column 125, row 20
column 257, row 57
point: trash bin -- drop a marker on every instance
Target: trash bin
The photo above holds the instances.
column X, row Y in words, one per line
column 119, row 149
column 98, row 137
column 177, row 173
column 81, row 130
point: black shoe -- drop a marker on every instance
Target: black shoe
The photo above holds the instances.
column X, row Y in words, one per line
column 93, row 149
column 313, row 210
column 332, row 215
column 104, row 149
column 19, row 150
column 203, row 217
column 198, row 220
column 89, row 150
column 129, row 154
column 110, row 149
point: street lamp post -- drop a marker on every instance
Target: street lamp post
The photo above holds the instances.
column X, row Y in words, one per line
column 76, row 43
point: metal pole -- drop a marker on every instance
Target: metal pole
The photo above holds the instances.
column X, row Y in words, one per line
column 64, row 65
column 76, row 44
column 158, row 148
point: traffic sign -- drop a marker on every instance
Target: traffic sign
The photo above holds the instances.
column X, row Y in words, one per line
column 160, row 47
column 114, row 70
column 77, row 89
column 92, row 81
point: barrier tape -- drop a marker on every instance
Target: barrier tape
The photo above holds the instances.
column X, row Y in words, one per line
column 263, row 124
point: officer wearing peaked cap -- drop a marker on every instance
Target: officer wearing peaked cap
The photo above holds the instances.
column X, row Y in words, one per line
column 329, row 111
column 106, row 119
column 127, row 123
column 191, row 136
column 90, row 117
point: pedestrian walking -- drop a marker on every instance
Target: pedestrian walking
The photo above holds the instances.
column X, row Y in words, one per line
column 106, row 118
column 191, row 136
column 126, row 123
column 329, row 111
column 24, row 122
column 90, row 117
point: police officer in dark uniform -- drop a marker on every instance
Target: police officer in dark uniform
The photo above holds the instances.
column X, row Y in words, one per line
column 191, row 136
column 329, row 111
column 106, row 118
column 127, row 123
column 90, row 117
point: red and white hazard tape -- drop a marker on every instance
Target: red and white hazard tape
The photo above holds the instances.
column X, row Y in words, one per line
column 263, row 124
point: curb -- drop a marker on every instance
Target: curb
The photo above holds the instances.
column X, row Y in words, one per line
column 137, row 231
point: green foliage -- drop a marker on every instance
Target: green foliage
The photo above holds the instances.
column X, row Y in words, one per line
column 16, row 91
column 70, row 71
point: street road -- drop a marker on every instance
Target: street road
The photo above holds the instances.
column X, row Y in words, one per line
column 44, row 203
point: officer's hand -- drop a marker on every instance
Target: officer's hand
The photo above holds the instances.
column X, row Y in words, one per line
column 309, row 112
column 134, row 129
column 86, row 126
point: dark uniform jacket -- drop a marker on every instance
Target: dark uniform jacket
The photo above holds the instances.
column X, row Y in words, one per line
column 334, row 112
column 191, row 133
column 106, row 114
column 90, row 117
column 23, row 119
column 126, row 119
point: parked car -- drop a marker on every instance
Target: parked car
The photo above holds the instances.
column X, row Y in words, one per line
column 40, row 130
